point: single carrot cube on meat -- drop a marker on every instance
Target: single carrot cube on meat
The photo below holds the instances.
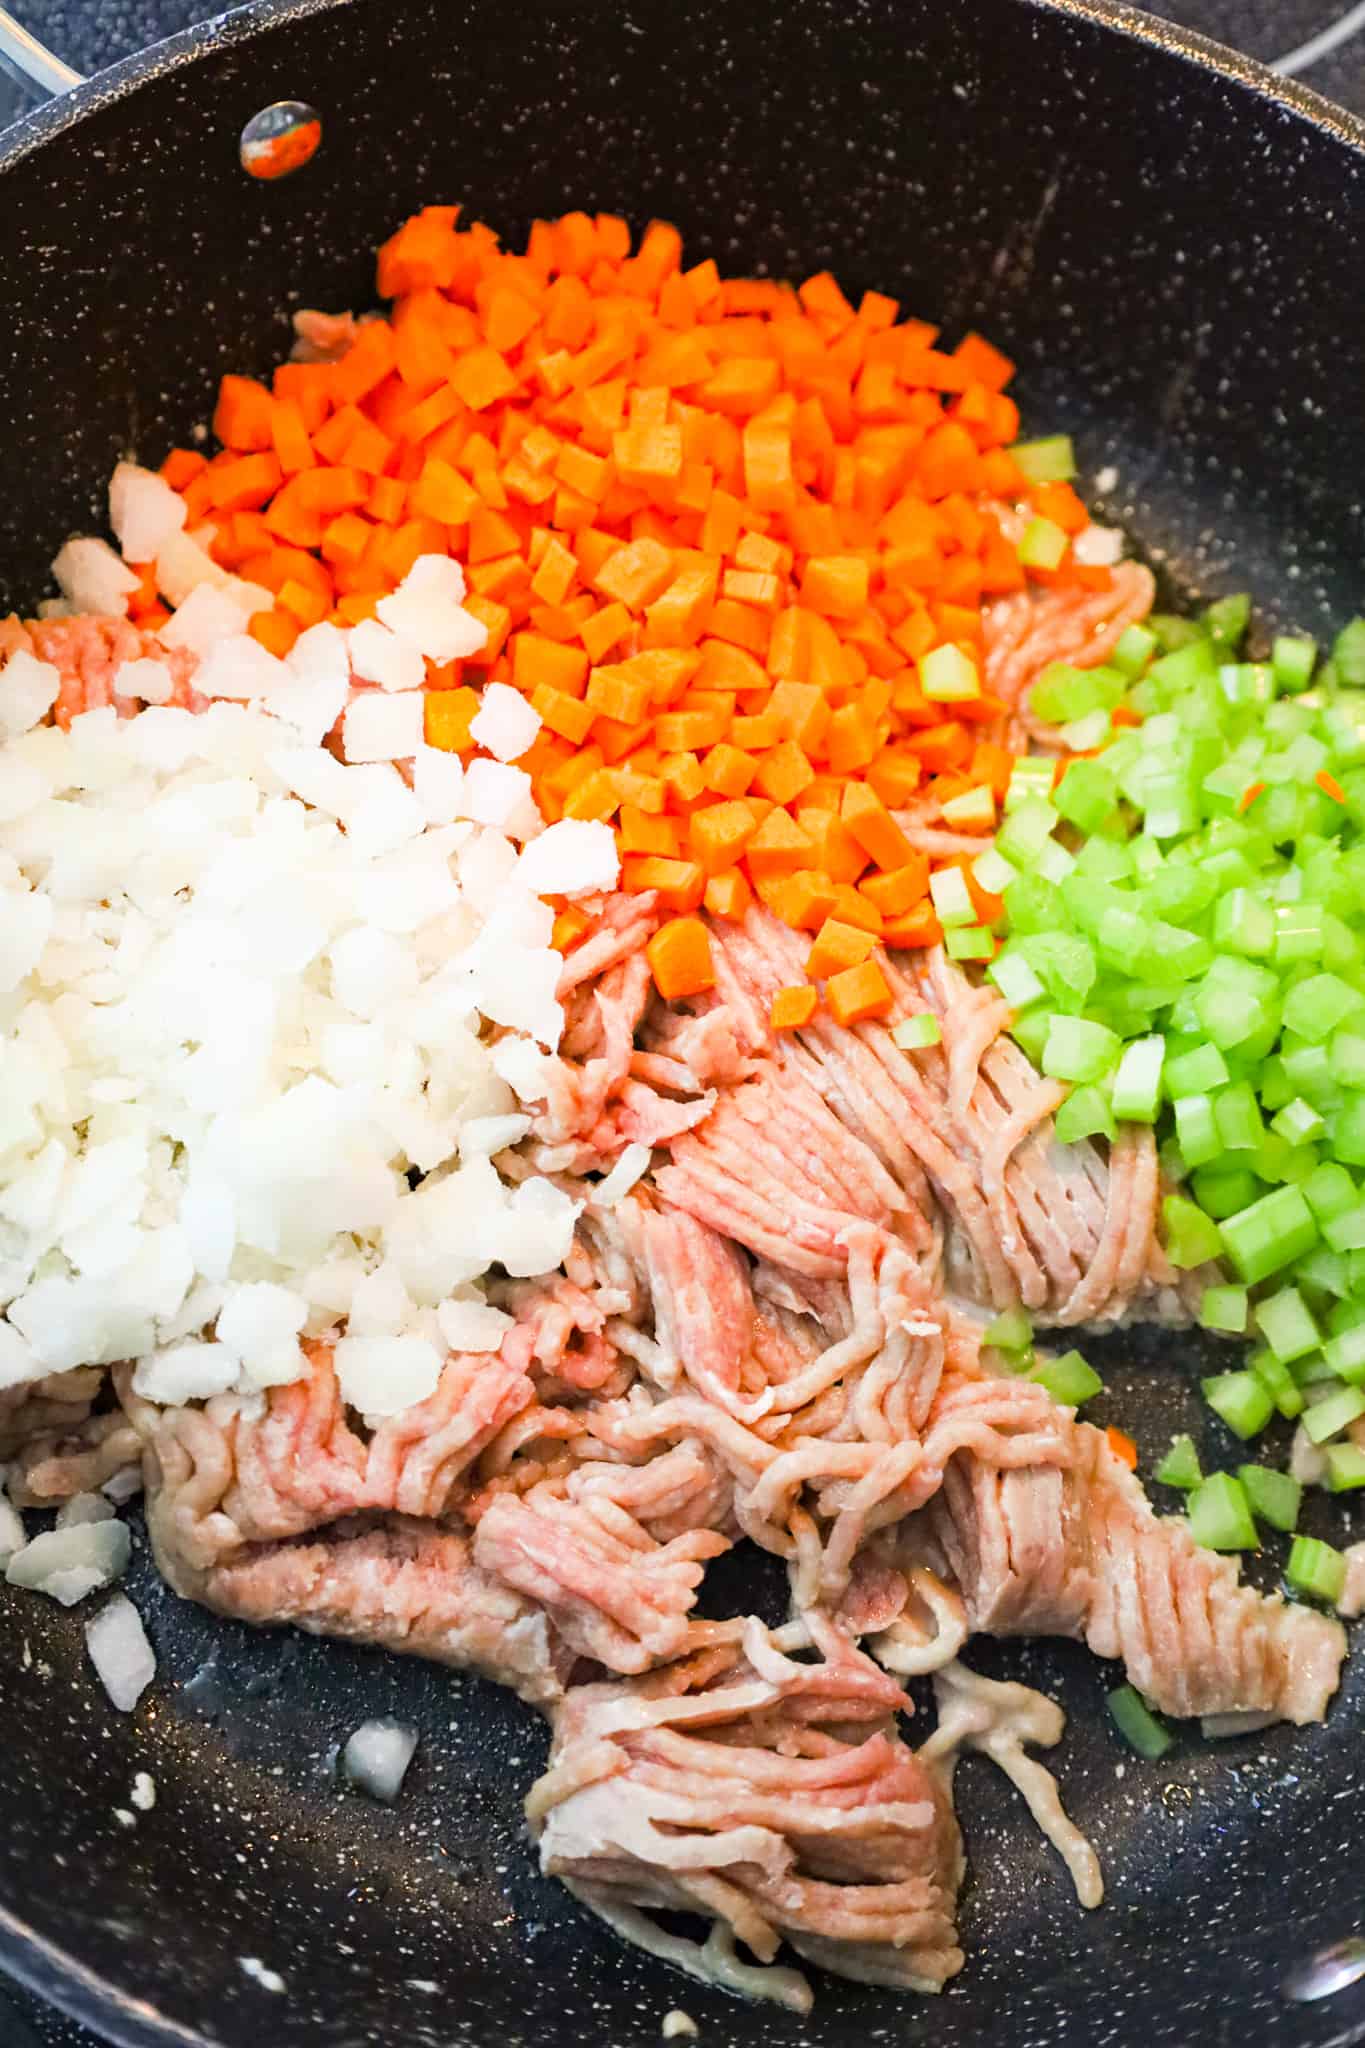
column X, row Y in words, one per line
column 858, row 992
column 679, row 956
column 792, row 1007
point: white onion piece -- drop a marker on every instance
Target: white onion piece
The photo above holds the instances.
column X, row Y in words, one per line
column 83, row 1508
column 376, row 1758
column 120, row 1652
column 69, row 1563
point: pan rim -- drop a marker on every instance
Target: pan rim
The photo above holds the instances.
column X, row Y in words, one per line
column 257, row 17
column 43, row 1967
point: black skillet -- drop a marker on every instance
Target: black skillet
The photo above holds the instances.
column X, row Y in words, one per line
column 1173, row 244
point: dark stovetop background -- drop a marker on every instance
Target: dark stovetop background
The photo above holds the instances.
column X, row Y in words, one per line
column 92, row 33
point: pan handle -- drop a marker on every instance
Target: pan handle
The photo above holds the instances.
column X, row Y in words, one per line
column 45, row 75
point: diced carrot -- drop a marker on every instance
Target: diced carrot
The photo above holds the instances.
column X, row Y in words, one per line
column 566, row 715
column 728, row 770
column 719, row 833
column 780, row 846
column 917, row 927
column 872, row 825
column 784, row 772
column 790, row 1008
column 643, row 832
column 1122, row 1446
column 447, row 717
column 679, row 956
column 858, row 992
column 636, row 574
column 728, row 894
column 569, row 927
column 809, row 899
column 838, row 945
column 181, row 467
column 677, row 883
column 276, row 630
column 835, row 584
column 710, row 528
column 537, row 661
column 242, row 417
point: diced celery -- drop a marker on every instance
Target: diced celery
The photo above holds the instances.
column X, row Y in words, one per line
column 1345, row 1231
column 1030, row 1029
column 1048, row 461
column 1346, row 1058
column 1015, row 979
column 1135, row 648
column 1079, row 1050
column 1237, row 1117
column 1286, row 1322
column 1025, row 830
column 1227, row 618
column 1327, row 1418
column 1196, row 1072
column 1244, row 1401
column 1010, row 1331
column 1345, row 1467
column 1137, row 1724
column 1278, row 1381
column 1345, row 1354
column 1137, row 1081
column 1066, row 963
column 971, row 811
column 1317, row 1569
column 1326, row 1270
column 1031, row 776
column 1222, row 1191
column 1086, row 1113
column 948, row 676
column 1035, row 905
column 1086, row 794
column 1247, row 682
column 1308, row 1070
column 993, row 872
column 1274, row 1497
column 1270, row 1234
column 1072, row 693
column 1180, row 1466
column 952, row 898
column 1196, row 1130
column 1185, row 665
column 1069, row 1379
column 1348, row 654
column 1348, row 1130
column 1224, row 1308
column 1244, row 924
column 913, row 1034
column 1053, row 862
column 1300, row 930
column 1293, row 661
column 1230, row 1012
column 968, row 942
column 1171, row 630
column 1042, row 544
column 1220, row 1517
column 1299, row 1122
column 1316, row 1006
column 1192, row 1238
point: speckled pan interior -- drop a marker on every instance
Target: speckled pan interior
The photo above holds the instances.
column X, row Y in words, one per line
column 1175, row 251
